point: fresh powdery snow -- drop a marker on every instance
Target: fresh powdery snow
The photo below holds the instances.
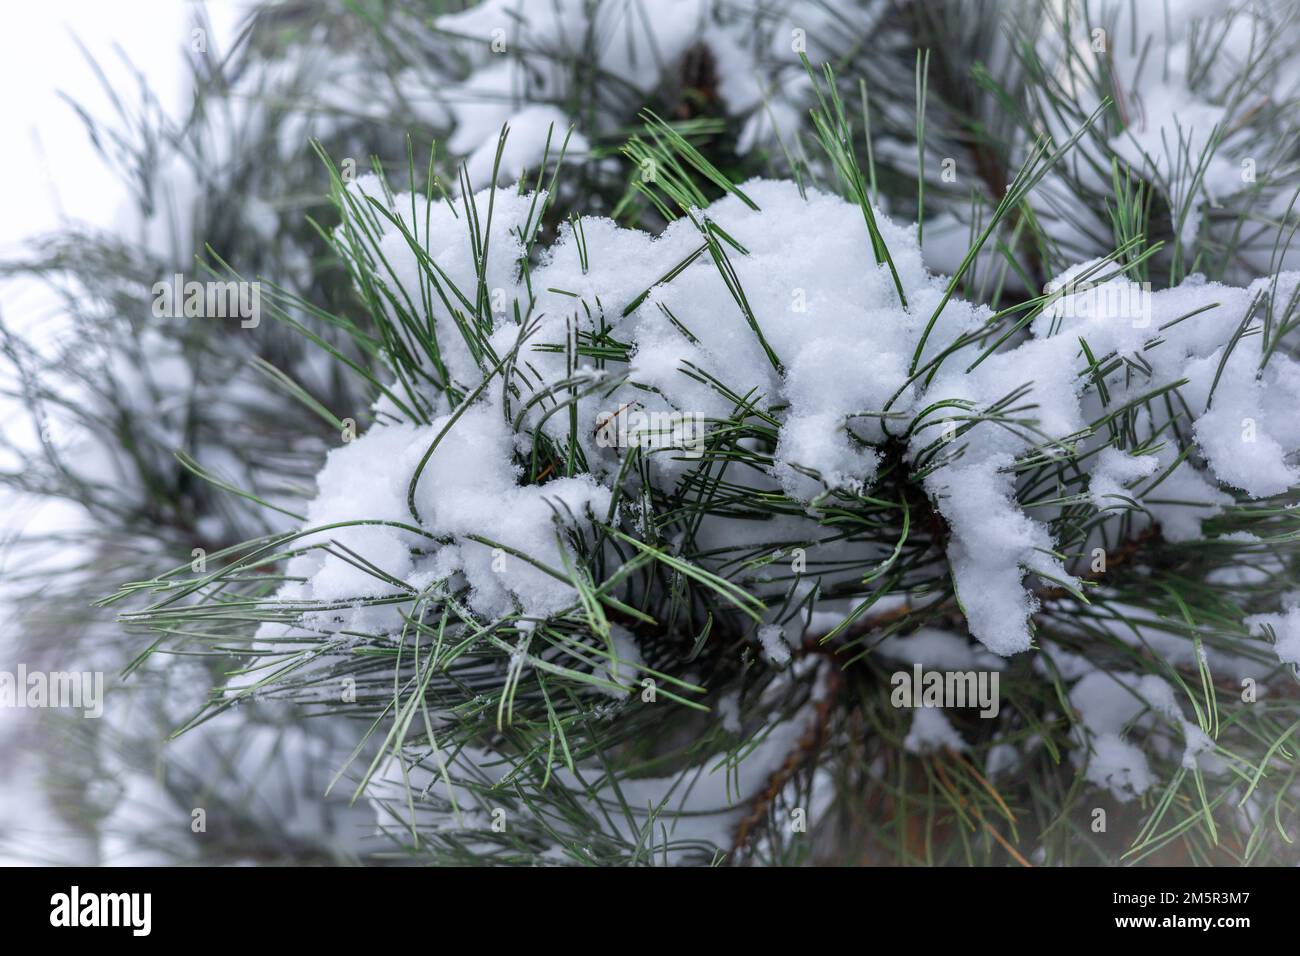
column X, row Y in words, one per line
column 833, row 357
column 931, row 731
column 1113, row 706
column 1188, row 80
column 838, row 348
column 521, row 56
column 1285, row 632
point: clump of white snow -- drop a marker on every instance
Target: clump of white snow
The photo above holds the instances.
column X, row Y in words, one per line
column 823, row 339
column 522, row 58
column 1116, row 711
column 1285, row 628
column 932, row 731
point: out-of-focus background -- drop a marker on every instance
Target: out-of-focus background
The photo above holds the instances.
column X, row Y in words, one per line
column 57, row 58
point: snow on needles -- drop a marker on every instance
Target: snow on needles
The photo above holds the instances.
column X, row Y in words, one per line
column 522, row 55
column 825, row 351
